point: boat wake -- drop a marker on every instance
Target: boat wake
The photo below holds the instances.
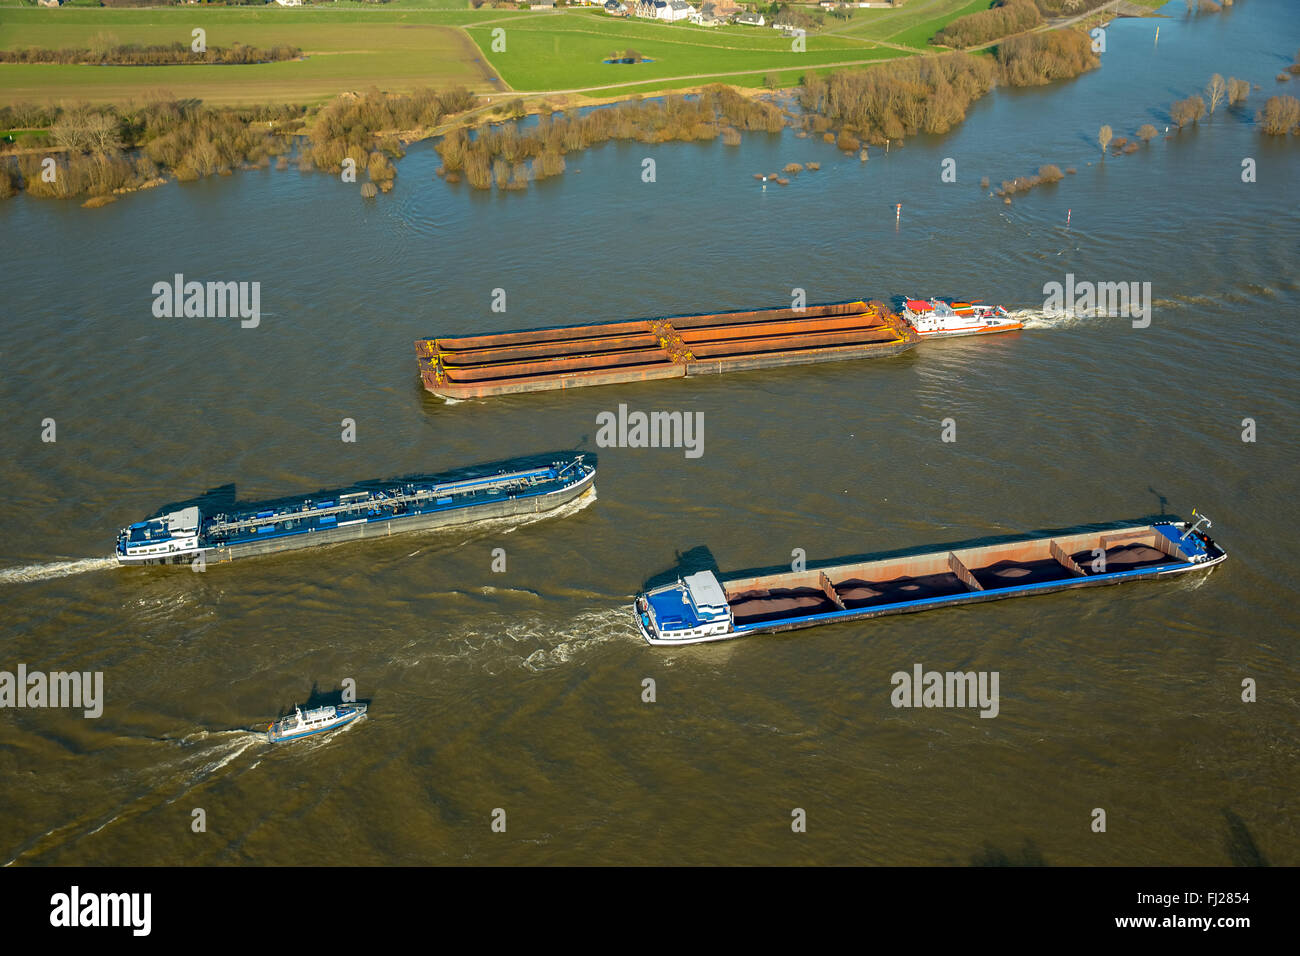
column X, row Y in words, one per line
column 54, row 569
column 513, row 523
column 204, row 755
column 532, row 640
column 1044, row 319
column 587, row 630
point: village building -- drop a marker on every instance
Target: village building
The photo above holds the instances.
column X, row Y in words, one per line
column 670, row 10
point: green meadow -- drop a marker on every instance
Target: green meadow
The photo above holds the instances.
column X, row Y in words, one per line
column 566, row 52
column 345, row 47
column 411, row 43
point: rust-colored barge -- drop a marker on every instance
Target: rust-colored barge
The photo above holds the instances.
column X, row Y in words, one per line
column 674, row 347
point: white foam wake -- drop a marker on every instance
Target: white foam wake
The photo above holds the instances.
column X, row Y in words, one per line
column 55, row 569
column 512, row 523
column 1043, row 319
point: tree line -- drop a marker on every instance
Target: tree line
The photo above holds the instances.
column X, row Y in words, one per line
column 1003, row 19
column 104, row 149
column 510, row 156
column 1038, row 58
column 169, row 54
column 890, row 101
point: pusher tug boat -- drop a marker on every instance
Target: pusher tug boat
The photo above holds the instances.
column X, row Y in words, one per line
column 305, row 723
column 934, row 319
column 700, row 607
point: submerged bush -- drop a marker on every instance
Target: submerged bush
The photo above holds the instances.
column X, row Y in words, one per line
column 1280, row 115
column 1038, row 58
column 500, row 154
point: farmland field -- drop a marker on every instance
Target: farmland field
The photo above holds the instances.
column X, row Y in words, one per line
column 566, row 52
column 439, row 43
column 344, row 49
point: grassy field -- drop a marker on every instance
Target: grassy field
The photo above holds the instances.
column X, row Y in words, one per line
column 565, row 52
column 346, row 48
column 411, row 43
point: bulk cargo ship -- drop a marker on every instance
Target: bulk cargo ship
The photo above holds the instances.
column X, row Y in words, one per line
column 699, row 607
column 351, row 514
column 674, row 347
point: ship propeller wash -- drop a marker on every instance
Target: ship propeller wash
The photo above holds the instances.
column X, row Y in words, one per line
column 700, row 607
column 352, row 514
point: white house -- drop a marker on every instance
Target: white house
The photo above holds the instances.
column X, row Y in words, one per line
column 670, row 10
column 289, row 3
column 751, row 19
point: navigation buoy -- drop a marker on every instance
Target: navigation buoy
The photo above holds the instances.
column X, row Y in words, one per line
column 898, row 213
column 1067, row 217
column 1157, row 43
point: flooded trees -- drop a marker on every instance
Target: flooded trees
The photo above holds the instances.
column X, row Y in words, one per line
column 1146, row 132
column 887, row 102
column 1215, row 91
column 1103, row 137
column 509, row 156
column 1187, row 111
column 1037, row 58
column 1280, row 115
column 1238, row 90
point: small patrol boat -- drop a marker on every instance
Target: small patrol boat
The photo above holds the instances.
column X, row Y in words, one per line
column 700, row 607
column 935, row 318
column 317, row 720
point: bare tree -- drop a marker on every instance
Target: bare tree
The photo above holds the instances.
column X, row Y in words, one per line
column 1146, row 132
column 1103, row 137
column 103, row 133
column 1215, row 91
column 72, row 130
column 1238, row 90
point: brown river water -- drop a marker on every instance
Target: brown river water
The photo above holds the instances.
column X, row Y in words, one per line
column 521, row 690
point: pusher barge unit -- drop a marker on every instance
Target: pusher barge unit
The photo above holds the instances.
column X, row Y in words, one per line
column 674, row 347
column 699, row 607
